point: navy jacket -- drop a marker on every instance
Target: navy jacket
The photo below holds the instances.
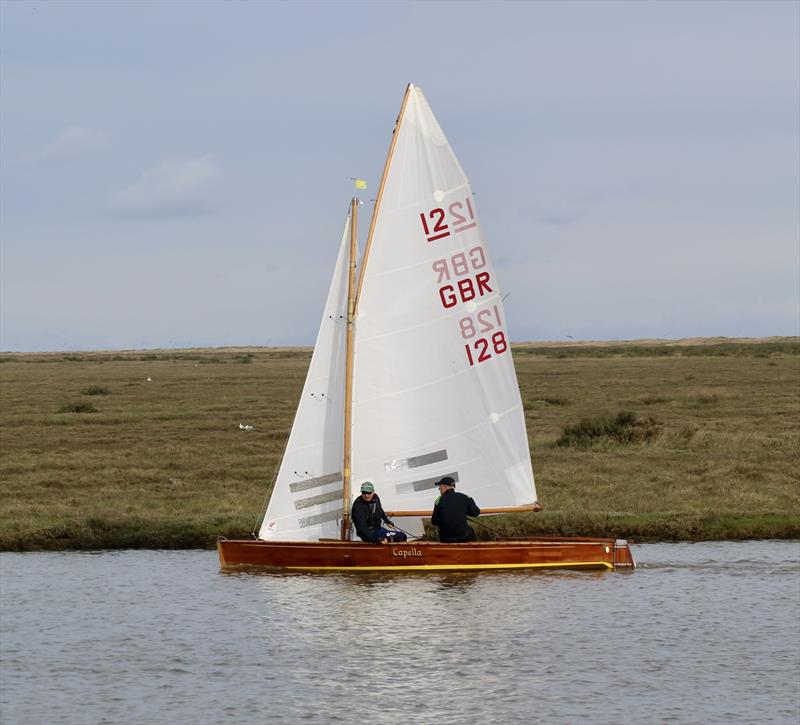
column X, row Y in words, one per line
column 450, row 515
column 367, row 517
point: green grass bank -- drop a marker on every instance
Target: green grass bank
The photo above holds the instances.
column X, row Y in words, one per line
column 650, row 440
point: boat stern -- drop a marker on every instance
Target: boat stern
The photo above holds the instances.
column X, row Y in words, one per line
column 623, row 556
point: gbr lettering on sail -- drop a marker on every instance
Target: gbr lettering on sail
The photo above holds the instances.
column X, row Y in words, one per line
column 462, row 279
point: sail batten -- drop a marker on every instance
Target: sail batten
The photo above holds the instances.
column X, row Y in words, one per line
column 304, row 503
column 308, row 483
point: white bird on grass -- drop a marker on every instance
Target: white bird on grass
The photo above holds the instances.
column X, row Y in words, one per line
column 149, row 379
column 245, row 427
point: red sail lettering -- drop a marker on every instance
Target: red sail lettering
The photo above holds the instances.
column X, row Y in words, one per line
column 446, row 294
column 482, row 278
column 467, row 289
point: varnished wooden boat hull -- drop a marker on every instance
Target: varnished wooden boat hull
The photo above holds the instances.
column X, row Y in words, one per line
column 538, row 553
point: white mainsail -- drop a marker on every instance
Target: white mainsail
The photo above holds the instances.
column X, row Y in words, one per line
column 306, row 501
column 434, row 387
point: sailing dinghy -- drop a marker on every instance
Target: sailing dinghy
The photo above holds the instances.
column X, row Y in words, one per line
column 411, row 380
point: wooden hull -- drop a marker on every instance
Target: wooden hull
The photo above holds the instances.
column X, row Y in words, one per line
column 534, row 553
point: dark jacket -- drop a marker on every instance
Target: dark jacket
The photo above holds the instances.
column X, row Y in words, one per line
column 367, row 517
column 450, row 514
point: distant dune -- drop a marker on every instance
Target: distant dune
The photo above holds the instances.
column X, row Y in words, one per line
column 651, row 342
column 644, row 342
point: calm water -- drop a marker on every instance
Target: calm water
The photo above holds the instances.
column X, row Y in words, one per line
column 702, row 633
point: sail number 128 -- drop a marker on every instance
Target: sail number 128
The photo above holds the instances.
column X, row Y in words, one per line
column 483, row 348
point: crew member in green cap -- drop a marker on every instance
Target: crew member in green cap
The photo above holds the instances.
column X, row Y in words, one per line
column 368, row 515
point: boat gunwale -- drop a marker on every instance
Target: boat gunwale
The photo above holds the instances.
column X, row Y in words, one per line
column 573, row 565
column 326, row 543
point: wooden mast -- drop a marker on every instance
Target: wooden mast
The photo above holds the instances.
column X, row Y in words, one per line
column 348, row 375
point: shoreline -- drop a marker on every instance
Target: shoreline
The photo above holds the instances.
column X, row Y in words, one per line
column 104, row 536
column 144, row 449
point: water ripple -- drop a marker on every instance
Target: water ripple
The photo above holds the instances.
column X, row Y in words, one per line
column 703, row 633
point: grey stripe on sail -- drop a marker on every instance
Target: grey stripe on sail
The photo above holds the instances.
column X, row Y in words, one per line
column 416, row 461
column 427, row 458
column 319, row 518
column 423, row 484
column 314, row 482
column 304, row 503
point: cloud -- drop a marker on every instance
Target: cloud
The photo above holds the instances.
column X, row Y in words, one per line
column 74, row 142
column 172, row 188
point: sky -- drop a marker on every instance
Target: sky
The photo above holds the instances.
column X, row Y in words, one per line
column 177, row 174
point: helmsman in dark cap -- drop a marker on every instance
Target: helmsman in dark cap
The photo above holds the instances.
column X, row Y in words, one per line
column 450, row 513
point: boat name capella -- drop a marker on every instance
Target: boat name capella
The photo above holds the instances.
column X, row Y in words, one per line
column 406, row 552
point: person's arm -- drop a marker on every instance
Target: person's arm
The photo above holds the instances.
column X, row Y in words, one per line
column 359, row 516
column 472, row 508
column 435, row 513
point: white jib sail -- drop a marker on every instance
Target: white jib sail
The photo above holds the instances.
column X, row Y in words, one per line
column 435, row 391
column 306, row 501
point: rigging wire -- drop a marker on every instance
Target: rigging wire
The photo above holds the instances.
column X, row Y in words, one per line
column 488, row 528
column 411, row 537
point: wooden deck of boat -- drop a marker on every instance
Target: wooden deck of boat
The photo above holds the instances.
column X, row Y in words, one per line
column 331, row 555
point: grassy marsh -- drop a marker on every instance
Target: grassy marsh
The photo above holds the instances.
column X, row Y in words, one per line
column 155, row 457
